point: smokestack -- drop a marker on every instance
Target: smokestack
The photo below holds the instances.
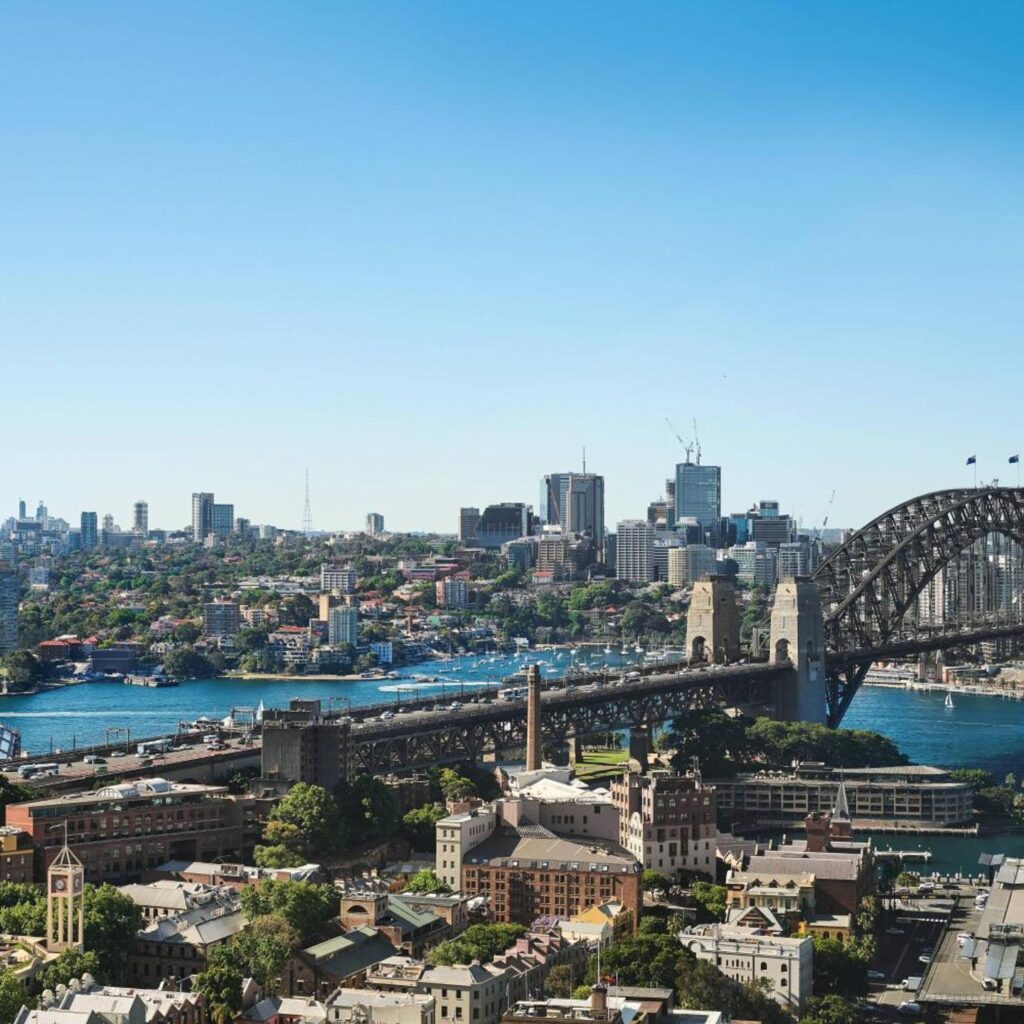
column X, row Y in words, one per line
column 533, row 746
column 599, row 998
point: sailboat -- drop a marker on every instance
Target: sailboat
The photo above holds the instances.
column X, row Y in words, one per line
column 949, row 700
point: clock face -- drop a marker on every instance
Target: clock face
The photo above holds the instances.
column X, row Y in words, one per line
column 60, row 884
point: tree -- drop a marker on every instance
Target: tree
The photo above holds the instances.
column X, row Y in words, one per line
column 710, row 900
column 306, row 906
column 645, row 959
column 907, row 880
column 830, row 1009
column 419, row 826
column 840, row 970
column 22, row 668
column 307, row 823
column 718, row 740
column 558, row 983
column 425, row 881
column 221, row 984
column 976, row 778
column 187, row 663
column 700, row 984
column 455, row 786
column 112, row 920
column 651, row 879
column 370, row 809
column 12, row 997
column 262, row 949
column 481, row 942
column 72, row 963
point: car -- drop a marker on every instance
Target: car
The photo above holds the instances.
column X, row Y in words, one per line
column 146, row 759
column 925, row 958
column 895, row 931
column 909, row 1008
column 386, row 716
column 876, row 975
column 962, row 937
column 118, row 753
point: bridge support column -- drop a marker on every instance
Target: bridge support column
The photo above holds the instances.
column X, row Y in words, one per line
column 712, row 622
column 798, row 635
column 639, row 745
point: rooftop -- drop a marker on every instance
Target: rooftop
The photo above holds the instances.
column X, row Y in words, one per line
column 533, row 846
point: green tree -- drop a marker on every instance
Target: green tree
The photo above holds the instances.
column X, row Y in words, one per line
column 976, row 778
column 262, row 949
column 648, row 959
column 12, row 997
column 558, row 983
column 425, row 881
column 306, row 906
column 221, row 984
column 371, row 810
column 313, row 827
column 454, row 786
column 830, row 1009
column 481, row 942
column 718, row 740
column 840, row 969
column 652, row 879
column 188, row 663
column 907, row 880
column 419, row 826
column 710, row 900
column 112, row 920
column 22, row 668
column 72, row 963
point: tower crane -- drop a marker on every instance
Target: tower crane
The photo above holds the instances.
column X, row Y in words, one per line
column 828, row 511
column 696, row 440
column 687, row 445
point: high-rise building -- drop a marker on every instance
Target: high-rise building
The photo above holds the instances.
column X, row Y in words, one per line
column 22, row 509
column 688, row 564
column 452, row 592
column 469, row 519
column 42, row 514
column 574, row 501
column 140, row 518
column 343, row 626
column 374, row 524
column 634, row 551
column 90, row 531
column 221, row 618
column 8, row 607
column 222, row 520
column 202, row 515
column 699, row 495
column 108, row 523
column 335, row 577
column 502, row 523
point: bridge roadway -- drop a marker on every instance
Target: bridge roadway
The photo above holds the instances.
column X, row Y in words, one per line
column 423, row 737
column 924, row 642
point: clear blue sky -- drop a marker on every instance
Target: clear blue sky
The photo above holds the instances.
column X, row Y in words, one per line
column 432, row 249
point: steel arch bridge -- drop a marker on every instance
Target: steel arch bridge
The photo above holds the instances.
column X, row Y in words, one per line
column 870, row 583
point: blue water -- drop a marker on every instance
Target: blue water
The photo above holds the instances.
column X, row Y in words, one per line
column 79, row 715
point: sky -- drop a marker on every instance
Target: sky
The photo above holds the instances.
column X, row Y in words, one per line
column 431, row 250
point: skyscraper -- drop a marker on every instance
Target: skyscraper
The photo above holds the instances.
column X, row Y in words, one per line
column 202, row 515
column 140, row 519
column 699, row 496
column 574, row 501
column 374, row 524
column 90, row 530
column 469, row 519
column 8, row 608
column 343, row 626
column 634, row 551
column 222, row 519
column 22, row 509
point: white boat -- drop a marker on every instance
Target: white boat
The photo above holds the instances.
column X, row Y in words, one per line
column 949, row 699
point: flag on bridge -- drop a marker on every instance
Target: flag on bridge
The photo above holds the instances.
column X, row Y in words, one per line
column 1014, row 459
column 971, row 460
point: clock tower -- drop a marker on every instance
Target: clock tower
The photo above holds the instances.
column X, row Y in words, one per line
column 65, row 913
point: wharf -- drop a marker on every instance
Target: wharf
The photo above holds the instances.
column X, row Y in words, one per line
column 889, row 853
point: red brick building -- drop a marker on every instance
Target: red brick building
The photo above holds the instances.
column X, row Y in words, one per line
column 528, row 872
column 124, row 830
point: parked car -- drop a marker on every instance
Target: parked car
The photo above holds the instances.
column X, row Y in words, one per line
column 909, row 1008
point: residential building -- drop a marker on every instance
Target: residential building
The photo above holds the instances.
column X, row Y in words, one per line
column 667, row 821
column 408, row 927
column 140, row 518
column 786, row 895
column 452, row 592
column 469, row 519
column 166, row 897
column 16, row 855
column 85, row 1002
column 364, row 1006
column 338, row 962
column 221, row 618
column 457, row 834
column 603, row 925
column 222, row 519
column 9, row 587
column 794, row 559
column 528, row 872
column 689, row 563
column 374, row 524
column 339, row 578
column 634, row 551
column 913, row 795
column 90, row 531
column 608, row 1004
column 343, row 626
column 172, row 948
column 122, row 830
column 786, row 964
column 756, row 563
column 699, row 495
column 300, row 744
column 202, row 516
column 467, row 993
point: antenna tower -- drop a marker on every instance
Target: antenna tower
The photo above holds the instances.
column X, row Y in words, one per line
column 307, row 511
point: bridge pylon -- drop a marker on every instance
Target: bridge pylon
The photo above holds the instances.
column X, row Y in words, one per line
column 712, row 622
column 798, row 635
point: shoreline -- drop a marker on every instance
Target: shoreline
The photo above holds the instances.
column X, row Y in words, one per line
column 1017, row 693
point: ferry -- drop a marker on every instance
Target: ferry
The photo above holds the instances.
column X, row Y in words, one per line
column 152, row 681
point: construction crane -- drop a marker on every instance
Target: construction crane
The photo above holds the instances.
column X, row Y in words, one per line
column 828, row 511
column 687, row 446
column 696, row 441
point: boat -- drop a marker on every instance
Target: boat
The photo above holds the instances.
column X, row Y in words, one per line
column 607, row 650
column 949, row 699
column 152, row 681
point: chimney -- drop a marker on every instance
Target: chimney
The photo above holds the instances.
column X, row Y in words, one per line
column 818, row 828
column 599, row 998
column 533, row 745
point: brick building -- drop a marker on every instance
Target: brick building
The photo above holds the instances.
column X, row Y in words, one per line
column 122, row 831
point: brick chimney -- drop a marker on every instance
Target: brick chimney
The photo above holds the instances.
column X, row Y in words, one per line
column 533, row 744
column 818, row 831
column 599, row 998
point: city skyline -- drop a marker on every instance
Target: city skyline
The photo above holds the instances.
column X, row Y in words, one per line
column 800, row 227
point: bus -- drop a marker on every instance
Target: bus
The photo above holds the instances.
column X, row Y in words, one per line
column 29, row 771
column 152, row 747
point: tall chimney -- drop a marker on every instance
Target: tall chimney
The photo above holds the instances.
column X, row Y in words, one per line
column 533, row 745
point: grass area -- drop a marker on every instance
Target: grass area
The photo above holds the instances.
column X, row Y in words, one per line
column 598, row 764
